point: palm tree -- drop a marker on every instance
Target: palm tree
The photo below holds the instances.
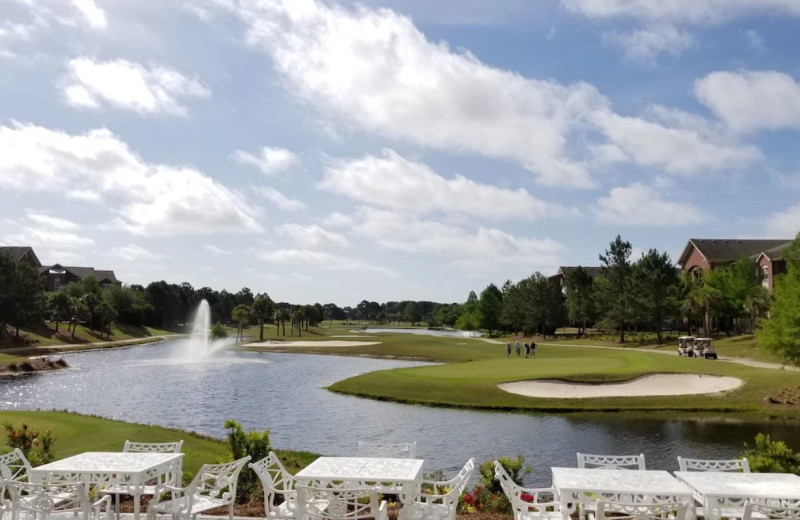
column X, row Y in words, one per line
column 241, row 315
column 263, row 308
column 283, row 316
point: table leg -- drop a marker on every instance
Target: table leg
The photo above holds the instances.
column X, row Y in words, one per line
column 137, row 504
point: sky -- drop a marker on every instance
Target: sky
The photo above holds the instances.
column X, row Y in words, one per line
column 326, row 151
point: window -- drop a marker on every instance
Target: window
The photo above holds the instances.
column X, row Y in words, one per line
column 765, row 276
column 56, row 283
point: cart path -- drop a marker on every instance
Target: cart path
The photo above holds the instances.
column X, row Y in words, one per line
column 742, row 361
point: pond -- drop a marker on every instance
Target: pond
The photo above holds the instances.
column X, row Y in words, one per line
column 286, row 394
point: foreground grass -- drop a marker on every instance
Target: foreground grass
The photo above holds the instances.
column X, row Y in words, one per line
column 79, row 433
column 473, row 381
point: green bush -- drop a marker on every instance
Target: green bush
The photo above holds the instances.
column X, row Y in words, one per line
column 488, row 496
column 37, row 448
column 242, row 444
column 218, row 331
column 768, row 456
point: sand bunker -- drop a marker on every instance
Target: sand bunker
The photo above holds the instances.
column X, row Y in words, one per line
column 284, row 344
column 656, row 384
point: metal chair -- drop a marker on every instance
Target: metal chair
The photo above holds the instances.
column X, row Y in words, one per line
column 734, row 465
column 527, row 503
column 277, row 483
column 771, row 512
column 14, row 466
column 142, row 447
column 397, row 450
column 589, row 461
column 642, row 511
column 339, row 503
column 45, row 501
column 437, row 500
column 214, row 486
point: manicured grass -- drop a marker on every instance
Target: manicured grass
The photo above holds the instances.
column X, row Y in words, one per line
column 474, row 383
column 45, row 335
column 79, row 433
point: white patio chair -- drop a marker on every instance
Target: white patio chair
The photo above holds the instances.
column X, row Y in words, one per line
column 328, row 503
column 14, row 466
column 528, row 503
column 437, row 500
column 733, row 465
column 589, row 461
column 771, row 512
column 44, row 501
column 278, row 484
column 214, row 486
column 397, row 450
column 143, row 447
column 642, row 511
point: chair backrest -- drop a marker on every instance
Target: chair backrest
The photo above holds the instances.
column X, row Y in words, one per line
column 331, row 503
column 216, row 481
column 525, row 500
column 642, row 511
column 14, row 466
column 771, row 512
column 43, row 499
column 275, row 480
column 454, row 487
column 714, row 465
column 389, row 450
column 589, row 461
column 152, row 447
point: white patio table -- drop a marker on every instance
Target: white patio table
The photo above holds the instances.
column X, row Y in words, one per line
column 722, row 493
column 131, row 470
column 388, row 474
column 577, row 487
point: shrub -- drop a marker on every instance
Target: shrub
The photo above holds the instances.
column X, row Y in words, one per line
column 488, row 496
column 242, row 444
column 218, row 331
column 37, row 448
column 768, row 456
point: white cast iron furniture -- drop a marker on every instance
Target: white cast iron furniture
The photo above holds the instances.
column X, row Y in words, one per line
column 214, row 486
column 528, row 503
column 437, row 500
column 401, row 476
column 339, row 503
column 134, row 470
column 46, row 501
column 586, row 460
column 280, row 495
column 724, row 494
column 714, row 464
column 760, row 511
column 639, row 511
column 14, row 466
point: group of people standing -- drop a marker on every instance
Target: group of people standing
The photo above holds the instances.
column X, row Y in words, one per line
column 530, row 349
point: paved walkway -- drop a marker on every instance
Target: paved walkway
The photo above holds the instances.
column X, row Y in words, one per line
column 741, row 361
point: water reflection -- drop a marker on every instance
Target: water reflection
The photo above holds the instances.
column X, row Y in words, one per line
column 285, row 393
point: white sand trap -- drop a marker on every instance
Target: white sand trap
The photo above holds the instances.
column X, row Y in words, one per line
column 347, row 336
column 655, row 384
column 283, row 344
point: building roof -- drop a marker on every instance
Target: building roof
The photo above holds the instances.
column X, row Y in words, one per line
column 17, row 253
column 83, row 272
column 776, row 253
column 717, row 250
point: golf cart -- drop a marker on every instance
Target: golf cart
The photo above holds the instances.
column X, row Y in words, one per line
column 686, row 346
column 704, row 348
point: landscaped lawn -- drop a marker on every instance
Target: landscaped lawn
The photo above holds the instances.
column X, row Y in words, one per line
column 45, row 334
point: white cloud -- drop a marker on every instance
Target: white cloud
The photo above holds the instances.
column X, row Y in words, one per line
column 93, row 14
column 46, row 232
column 479, row 249
column 700, row 12
column 135, row 254
column 148, row 198
column 215, row 250
column 751, row 100
column 784, row 223
column 391, row 181
column 279, row 199
column 312, row 236
column 374, row 70
column 84, row 195
column 337, row 219
column 269, row 160
column 129, row 86
column 324, row 262
column 755, row 40
column 678, row 143
column 647, row 43
column 54, row 223
column 640, row 205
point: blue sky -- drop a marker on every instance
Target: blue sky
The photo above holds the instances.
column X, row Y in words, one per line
column 390, row 150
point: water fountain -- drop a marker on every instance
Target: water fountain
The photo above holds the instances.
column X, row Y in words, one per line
column 199, row 346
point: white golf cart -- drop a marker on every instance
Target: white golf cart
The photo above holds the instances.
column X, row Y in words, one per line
column 704, row 348
column 686, row 346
